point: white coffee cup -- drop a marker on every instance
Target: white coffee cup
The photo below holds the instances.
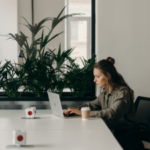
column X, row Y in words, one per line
column 85, row 113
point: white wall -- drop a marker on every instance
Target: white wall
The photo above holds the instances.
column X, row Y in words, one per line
column 50, row 8
column 24, row 10
column 123, row 32
column 8, row 24
column 42, row 9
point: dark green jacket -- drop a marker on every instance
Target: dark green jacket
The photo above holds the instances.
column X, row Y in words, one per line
column 116, row 109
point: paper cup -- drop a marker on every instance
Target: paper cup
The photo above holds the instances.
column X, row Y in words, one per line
column 85, row 113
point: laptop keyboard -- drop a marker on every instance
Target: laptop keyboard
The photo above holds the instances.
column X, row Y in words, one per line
column 69, row 115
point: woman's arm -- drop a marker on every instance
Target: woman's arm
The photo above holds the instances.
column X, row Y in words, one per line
column 119, row 108
column 94, row 105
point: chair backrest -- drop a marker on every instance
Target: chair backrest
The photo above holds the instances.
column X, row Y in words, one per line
column 142, row 109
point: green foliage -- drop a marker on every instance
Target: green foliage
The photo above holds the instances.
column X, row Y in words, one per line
column 9, row 79
column 37, row 27
column 79, row 80
column 45, row 69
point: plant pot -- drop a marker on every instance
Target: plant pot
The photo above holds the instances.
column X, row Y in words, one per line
column 12, row 106
column 64, row 98
column 39, row 106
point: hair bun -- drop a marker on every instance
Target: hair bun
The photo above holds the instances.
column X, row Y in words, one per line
column 111, row 60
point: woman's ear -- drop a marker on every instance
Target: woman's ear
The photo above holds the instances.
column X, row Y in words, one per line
column 108, row 76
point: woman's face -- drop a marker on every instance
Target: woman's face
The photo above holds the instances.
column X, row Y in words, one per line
column 99, row 78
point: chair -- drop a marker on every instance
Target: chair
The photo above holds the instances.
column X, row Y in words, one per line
column 142, row 109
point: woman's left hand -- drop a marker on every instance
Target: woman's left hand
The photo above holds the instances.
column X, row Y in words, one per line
column 74, row 111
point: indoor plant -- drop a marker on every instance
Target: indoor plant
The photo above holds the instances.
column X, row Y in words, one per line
column 44, row 69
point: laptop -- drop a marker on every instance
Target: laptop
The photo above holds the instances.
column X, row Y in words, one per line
column 56, row 106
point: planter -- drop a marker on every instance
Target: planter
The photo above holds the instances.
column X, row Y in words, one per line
column 12, row 106
column 39, row 106
column 65, row 98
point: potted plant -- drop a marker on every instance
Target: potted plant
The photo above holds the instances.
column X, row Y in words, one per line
column 79, row 80
column 44, row 69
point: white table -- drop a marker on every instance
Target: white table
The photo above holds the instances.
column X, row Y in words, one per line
column 54, row 133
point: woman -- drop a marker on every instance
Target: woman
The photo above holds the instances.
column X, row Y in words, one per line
column 115, row 104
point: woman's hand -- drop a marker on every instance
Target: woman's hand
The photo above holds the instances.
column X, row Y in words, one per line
column 72, row 110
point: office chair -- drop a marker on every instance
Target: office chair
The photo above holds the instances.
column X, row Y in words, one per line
column 142, row 109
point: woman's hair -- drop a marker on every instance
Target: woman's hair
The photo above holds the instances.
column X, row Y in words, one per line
column 116, row 80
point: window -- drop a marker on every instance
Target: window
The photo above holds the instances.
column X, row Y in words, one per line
column 79, row 29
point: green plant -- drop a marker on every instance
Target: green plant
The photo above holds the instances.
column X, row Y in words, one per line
column 79, row 80
column 57, row 60
column 3, row 73
column 38, row 70
column 43, row 68
column 35, row 73
column 38, row 44
column 10, row 81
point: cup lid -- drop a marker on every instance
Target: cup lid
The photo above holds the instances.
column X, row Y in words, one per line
column 85, row 108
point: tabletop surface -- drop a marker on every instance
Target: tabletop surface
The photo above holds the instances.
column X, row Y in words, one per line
column 52, row 132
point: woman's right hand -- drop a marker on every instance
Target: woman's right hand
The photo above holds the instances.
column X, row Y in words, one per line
column 67, row 111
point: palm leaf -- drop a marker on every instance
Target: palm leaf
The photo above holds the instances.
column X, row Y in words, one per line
column 58, row 19
column 37, row 27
